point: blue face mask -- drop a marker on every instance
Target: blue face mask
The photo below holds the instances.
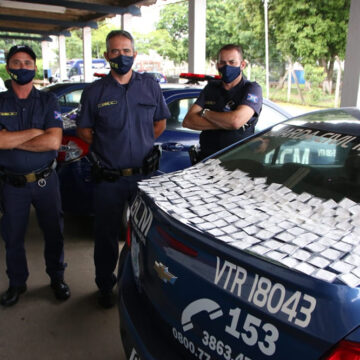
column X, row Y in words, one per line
column 121, row 64
column 229, row 73
column 22, row 76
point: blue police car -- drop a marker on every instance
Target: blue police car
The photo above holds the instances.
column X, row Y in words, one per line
column 252, row 254
column 74, row 166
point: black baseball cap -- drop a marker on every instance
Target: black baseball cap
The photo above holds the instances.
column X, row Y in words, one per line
column 20, row 48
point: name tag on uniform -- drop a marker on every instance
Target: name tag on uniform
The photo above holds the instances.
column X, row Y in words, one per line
column 107, row 103
column 8, row 113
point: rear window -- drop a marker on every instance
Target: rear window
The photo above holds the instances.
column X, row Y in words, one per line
column 324, row 164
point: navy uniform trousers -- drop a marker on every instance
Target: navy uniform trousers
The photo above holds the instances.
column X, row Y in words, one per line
column 109, row 201
column 47, row 203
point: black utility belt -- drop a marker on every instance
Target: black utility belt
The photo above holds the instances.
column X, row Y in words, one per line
column 103, row 174
column 109, row 174
column 150, row 164
column 19, row 180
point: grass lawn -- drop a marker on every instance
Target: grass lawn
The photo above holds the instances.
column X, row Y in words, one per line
column 323, row 101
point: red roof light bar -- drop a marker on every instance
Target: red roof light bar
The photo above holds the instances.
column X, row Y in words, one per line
column 199, row 77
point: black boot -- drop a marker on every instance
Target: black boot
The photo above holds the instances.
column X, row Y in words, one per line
column 11, row 296
column 61, row 289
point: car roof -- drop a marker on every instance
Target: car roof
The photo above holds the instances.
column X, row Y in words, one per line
column 63, row 85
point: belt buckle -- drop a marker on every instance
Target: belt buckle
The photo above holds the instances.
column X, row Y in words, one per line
column 30, row 177
column 126, row 172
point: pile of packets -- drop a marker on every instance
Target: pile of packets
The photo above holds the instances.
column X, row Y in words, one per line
column 315, row 236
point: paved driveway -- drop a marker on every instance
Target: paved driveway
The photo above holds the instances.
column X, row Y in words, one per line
column 39, row 327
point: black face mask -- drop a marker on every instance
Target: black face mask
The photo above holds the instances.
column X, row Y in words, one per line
column 22, row 76
column 229, row 73
column 121, row 64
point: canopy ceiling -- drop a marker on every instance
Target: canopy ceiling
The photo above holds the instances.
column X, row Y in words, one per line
column 40, row 18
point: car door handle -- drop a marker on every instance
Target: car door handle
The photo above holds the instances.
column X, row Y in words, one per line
column 172, row 146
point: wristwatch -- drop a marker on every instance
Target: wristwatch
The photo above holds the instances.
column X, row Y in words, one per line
column 203, row 112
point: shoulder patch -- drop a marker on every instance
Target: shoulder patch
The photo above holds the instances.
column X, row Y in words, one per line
column 57, row 115
column 253, row 98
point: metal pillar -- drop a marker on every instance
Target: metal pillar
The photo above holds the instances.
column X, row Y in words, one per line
column 197, row 36
column 125, row 21
column 88, row 73
column 45, row 58
column 351, row 84
column 62, row 58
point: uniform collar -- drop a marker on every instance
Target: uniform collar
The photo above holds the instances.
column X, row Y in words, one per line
column 134, row 77
column 238, row 86
column 11, row 94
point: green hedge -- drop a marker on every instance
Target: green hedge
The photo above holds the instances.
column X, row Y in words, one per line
column 3, row 73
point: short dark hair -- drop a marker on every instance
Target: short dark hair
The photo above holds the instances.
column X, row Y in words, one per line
column 238, row 48
column 124, row 33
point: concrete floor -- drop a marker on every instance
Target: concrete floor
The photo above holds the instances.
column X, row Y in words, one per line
column 39, row 327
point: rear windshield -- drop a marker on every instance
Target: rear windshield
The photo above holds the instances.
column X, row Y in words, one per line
column 324, row 164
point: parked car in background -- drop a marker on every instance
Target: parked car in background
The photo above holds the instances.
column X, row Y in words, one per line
column 75, row 69
column 160, row 78
column 252, row 254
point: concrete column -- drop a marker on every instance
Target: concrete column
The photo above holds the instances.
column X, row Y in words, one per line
column 197, row 36
column 88, row 73
column 125, row 21
column 351, row 84
column 62, row 58
column 45, row 58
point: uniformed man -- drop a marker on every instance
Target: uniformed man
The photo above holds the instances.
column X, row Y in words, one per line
column 227, row 110
column 30, row 134
column 120, row 116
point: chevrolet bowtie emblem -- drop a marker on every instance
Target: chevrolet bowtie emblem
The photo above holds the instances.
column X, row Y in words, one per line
column 163, row 273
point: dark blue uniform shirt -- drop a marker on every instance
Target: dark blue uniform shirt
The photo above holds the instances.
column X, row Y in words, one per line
column 122, row 118
column 216, row 98
column 41, row 111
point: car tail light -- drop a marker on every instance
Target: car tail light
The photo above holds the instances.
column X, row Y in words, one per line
column 72, row 148
column 177, row 245
column 345, row 350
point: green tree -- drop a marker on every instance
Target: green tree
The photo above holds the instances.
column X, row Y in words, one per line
column 6, row 44
column 236, row 22
column 311, row 31
column 315, row 75
column 74, row 46
column 174, row 25
column 227, row 21
column 98, row 38
column 158, row 40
